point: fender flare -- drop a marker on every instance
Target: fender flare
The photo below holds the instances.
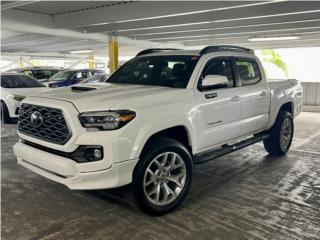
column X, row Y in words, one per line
column 147, row 132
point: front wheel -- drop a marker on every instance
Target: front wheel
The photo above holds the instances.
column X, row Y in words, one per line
column 281, row 136
column 162, row 177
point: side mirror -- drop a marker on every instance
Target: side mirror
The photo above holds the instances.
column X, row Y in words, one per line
column 214, row 81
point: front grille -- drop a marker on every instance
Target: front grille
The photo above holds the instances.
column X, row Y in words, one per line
column 53, row 128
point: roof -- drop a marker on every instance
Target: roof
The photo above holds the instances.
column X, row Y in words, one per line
column 36, row 68
column 174, row 52
column 12, row 73
column 205, row 50
column 82, row 69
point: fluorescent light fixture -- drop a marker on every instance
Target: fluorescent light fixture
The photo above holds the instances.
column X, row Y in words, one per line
column 81, row 51
column 295, row 30
column 195, row 12
column 219, row 21
column 274, row 38
column 229, row 27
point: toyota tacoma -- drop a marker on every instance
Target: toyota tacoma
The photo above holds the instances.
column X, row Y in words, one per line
column 153, row 119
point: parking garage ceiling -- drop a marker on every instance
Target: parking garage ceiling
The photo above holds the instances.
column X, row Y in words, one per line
column 42, row 27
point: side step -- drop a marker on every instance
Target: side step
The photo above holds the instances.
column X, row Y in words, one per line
column 213, row 154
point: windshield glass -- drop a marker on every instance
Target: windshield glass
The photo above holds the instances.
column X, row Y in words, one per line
column 41, row 74
column 96, row 79
column 166, row 70
column 62, row 76
column 19, row 81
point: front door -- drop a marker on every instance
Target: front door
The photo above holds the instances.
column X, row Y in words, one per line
column 219, row 107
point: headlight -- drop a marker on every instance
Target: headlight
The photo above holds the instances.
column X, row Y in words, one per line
column 18, row 98
column 106, row 120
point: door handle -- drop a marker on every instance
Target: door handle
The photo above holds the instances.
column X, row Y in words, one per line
column 235, row 99
column 264, row 93
column 211, row 95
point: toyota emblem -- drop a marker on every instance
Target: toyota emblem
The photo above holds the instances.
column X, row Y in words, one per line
column 36, row 119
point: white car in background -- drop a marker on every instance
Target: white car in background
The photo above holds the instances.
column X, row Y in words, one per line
column 14, row 88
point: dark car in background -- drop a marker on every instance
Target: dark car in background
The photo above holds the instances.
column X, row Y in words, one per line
column 98, row 78
column 71, row 77
column 39, row 73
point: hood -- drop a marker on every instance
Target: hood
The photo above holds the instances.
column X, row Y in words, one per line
column 53, row 82
column 26, row 91
column 92, row 97
column 42, row 79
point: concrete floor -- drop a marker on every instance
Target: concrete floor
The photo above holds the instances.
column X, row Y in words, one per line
column 244, row 195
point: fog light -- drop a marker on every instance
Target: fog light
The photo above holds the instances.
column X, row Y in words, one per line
column 88, row 154
column 94, row 153
column 97, row 154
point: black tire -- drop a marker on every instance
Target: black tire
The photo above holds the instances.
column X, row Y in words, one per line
column 273, row 143
column 5, row 117
column 154, row 149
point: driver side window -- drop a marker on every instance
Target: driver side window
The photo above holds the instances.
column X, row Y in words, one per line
column 219, row 67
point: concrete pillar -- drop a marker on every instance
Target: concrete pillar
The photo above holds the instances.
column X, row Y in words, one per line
column 91, row 61
column 113, row 53
column 20, row 63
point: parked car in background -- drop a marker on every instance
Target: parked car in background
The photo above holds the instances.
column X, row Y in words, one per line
column 71, row 77
column 39, row 73
column 14, row 88
column 98, row 78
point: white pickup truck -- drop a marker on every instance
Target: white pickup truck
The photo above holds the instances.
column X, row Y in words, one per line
column 155, row 117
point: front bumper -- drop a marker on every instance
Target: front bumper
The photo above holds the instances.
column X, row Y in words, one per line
column 13, row 107
column 72, row 174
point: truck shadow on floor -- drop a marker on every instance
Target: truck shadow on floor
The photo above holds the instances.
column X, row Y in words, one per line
column 122, row 196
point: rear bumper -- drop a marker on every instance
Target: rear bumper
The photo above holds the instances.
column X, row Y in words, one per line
column 68, row 172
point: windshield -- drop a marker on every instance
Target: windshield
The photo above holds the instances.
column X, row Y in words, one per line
column 96, row 79
column 41, row 74
column 166, row 70
column 19, row 81
column 62, row 76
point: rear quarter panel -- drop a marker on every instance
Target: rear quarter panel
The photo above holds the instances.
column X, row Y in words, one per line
column 282, row 92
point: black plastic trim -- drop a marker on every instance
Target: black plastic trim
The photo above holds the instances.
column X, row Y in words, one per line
column 78, row 155
column 225, row 48
column 154, row 50
column 225, row 149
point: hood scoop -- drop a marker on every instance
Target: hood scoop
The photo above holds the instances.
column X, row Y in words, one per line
column 82, row 89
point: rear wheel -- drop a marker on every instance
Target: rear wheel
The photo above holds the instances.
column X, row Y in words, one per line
column 162, row 177
column 281, row 136
column 5, row 117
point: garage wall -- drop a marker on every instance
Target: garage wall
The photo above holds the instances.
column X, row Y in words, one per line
column 311, row 96
column 311, row 93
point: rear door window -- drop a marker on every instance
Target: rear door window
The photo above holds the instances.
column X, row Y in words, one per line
column 249, row 72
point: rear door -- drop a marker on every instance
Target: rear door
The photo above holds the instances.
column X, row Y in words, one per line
column 218, row 108
column 255, row 96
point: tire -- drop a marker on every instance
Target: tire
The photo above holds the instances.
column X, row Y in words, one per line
column 281, row 136
column 5, row 117
column 158, row 189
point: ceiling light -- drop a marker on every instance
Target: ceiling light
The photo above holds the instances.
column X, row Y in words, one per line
column 196, row 12
column 274, row 38
column 81, row 51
